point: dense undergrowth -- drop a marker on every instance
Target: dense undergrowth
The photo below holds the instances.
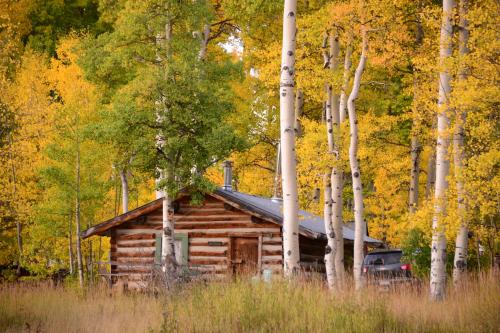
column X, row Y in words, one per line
column 249, row 306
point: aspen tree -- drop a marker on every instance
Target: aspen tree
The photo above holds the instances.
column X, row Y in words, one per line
column 124, row 181
column 289, row 177
column 79, row 258
column 168, row 240
column 332, row 107
column 460, row 260
column 438, row 247
column 357, row 187
column 338, row 117
column 416, row 147
column 299, row 109
column 345, row 82
column 330, row 247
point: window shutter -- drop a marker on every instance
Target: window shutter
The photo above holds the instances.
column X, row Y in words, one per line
column 158, row 249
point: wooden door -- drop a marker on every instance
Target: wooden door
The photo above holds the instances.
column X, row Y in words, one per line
column 245, row 255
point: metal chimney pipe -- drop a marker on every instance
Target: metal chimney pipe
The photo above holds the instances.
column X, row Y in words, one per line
column 228, row 175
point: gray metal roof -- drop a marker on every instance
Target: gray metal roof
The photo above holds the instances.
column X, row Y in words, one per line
column 274, row 209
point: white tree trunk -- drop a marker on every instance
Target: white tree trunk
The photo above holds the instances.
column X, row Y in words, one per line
column 431, row 173
column 345, row 83
column 291, row 260
column 328, row 118
column 77, row 220
column 299, row 109
column 70, row 247
column 414, row 173
column 124, row 180
column 357, row 187
column 205, row 37
column 461, row 243
column 330, row 234
column 416, row 147
column 438, row 248
column 334, row 233
column 168, row 240
column 277, row 174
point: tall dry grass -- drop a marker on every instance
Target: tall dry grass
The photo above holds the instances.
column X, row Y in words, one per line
column 249, row 306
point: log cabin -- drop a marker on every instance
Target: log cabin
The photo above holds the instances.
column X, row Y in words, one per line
column 227, row 233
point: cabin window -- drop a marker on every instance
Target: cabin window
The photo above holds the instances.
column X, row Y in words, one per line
column 181, row 249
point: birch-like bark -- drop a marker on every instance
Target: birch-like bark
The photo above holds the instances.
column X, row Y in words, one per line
column 414, row 173
column 357, row 187
column 345, row 82
column 328, row 118
column 168, row 241
column 461, row 243
column 431, row 173
column 416, row 147
column 205, row 37
column 330, row 234
column 291, row 260
column 70, row 247
column 299, row 109
column 277, row 174
column 438, row 248
column 337, row 182
column 77, row 219
column 332, row 115
column 124, row 180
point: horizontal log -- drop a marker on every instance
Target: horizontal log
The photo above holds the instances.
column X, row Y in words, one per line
column 271, row 257
column 120, row 232
column 272, row 252
column 211, row 249
column 207, row 254
column 222, row 225
column 223, row 272
column 213, row 225
column 269, row 242
column 197, row 234
column 136, row 244
column 267, row 247
column 203, row 262
column 219, row 217
column 139, row 236
column 272, row 261
column 208, row 267
column 147, row 260
column 146, row 226
column 129, row 248
column 205, row 241
column 208, row 257
column 272, row 238
column 213, row 204
column 209, row 212
column 143, row 254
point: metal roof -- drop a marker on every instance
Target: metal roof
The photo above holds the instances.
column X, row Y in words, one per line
column 274, row 209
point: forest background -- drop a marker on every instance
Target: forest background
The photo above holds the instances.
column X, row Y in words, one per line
column 79, row 82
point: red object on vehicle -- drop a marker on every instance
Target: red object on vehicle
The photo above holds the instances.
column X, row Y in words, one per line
column 406, row 267
column 365, row 269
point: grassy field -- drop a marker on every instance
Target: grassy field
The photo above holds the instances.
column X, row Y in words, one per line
column 246, row 306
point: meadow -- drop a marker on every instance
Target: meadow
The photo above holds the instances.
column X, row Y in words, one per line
column 250, row 306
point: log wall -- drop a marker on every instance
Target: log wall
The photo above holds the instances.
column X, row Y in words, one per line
column 209, row 228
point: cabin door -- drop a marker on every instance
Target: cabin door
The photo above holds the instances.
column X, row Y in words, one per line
column 244, row 255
